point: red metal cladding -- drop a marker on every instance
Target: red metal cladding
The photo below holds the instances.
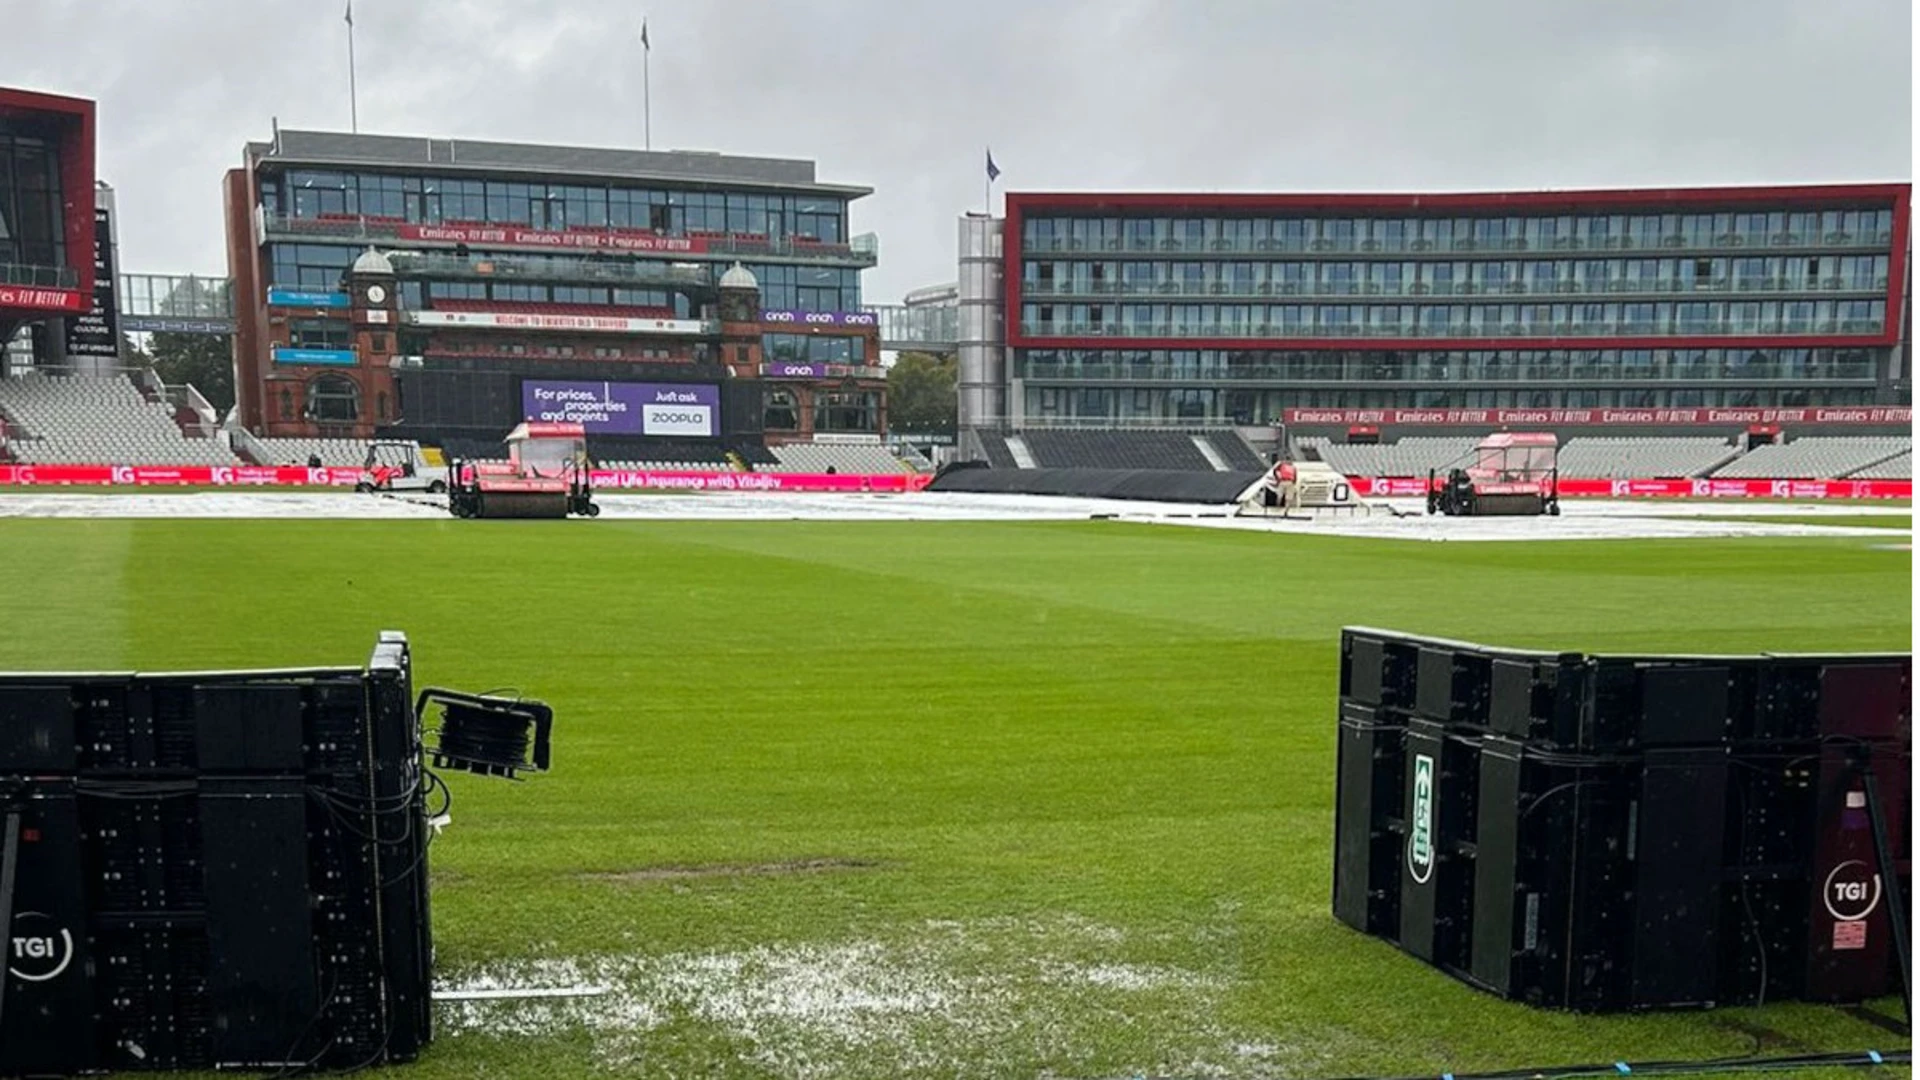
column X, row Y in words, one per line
column 71, row 120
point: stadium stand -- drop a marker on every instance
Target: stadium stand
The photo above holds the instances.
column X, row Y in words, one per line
column 97, row 420
column 995, row 447
column 1897, row 467
column 1234, row 450
column 754, row 454
column 626, row 452
column 1665, row 457
column 333, row 453
column 1169, row 450
column 471, row 449
column 852, row 458
column 1408, row 457
column 913, row 458
column 1817, row 457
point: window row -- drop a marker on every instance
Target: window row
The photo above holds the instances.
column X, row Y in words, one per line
column 1864, row 273
column 1206, row 405
column 1455, row 320
column 782, row 287
column 656, row 299
column 813, row 349
column 311, row 194
column 320, row 334
column 850, row 410
column 32, row 231
column 1777, row 228
column 807, row 288
column 1508, row 365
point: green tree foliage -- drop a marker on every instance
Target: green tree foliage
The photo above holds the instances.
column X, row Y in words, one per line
column 922, row 394
column 205, row 360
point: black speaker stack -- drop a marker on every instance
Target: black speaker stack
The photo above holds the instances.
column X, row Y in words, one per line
column 213, row 870
column 1605, row 833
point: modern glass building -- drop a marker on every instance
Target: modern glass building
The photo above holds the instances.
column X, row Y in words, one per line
column 528, row 230
column 1139, row 309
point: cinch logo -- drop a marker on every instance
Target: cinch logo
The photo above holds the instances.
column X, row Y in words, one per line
column 41, row 950
column 1420, row 834
column 1852, row 891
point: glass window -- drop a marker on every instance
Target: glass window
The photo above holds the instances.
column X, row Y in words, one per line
column 333, row 399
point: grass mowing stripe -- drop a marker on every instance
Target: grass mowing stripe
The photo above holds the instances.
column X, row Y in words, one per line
column 67, row 594
column 1086, row 770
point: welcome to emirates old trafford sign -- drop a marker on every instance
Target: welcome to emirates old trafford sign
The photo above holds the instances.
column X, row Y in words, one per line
column 1879, row 414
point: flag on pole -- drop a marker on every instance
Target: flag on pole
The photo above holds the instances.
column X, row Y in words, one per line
column 993, row 171
column 644, row 43
column 349, row 12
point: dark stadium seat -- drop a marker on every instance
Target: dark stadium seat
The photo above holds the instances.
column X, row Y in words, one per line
column 630, row 448
column 755, row 454
column 1235, row 452
column 1170, row 450
column 995, row 447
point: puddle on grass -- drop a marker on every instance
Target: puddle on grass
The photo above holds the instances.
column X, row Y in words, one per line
column 678, row 872
column 987, row 998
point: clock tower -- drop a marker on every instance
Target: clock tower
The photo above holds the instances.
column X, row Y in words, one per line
column 373, row 296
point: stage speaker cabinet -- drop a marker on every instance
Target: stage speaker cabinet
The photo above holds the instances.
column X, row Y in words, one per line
column 212, row 871
column 1367, row 832
column 1607, row 833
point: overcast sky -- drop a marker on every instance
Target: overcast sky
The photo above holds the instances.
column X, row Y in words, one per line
column 903, row 95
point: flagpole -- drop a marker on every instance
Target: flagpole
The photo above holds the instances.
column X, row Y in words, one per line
column 646, row 90
column 353, row 85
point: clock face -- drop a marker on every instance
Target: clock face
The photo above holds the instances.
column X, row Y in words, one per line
column 376, row 294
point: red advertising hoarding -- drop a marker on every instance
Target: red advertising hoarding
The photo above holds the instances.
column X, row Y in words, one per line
column 1837, row 414
column 1696, row 488
column 41, row 298
column 293, row 476
column 487, row 235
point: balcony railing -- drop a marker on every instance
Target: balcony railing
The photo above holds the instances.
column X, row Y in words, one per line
column 1541, row 371
column 1565, row 291
column 554, row 269
column 49, row 277
column 1397, row 330
column 863, row 249
column 1669, row 242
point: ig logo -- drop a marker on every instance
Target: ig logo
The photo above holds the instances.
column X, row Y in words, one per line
column 41, row 948
column 123, row 474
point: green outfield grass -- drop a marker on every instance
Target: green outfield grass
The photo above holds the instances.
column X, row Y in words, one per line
column 934, row 799
column 1859, row 521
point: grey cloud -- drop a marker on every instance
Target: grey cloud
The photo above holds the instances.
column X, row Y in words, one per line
column 904, row 95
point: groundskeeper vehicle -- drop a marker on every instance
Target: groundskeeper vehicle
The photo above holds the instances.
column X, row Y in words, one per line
column 1299, row 485
column 398, row 465
column 546, row 475
column 1512, row 473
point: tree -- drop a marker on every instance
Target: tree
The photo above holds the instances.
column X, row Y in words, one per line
column 923, row 394
column 205, row 360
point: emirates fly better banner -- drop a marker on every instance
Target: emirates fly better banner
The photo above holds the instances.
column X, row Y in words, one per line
column 1832, row 414
column 685, row 410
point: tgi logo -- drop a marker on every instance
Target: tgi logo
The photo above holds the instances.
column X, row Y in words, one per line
column 41, row 948
column 1851, row 892
column 1420, row 827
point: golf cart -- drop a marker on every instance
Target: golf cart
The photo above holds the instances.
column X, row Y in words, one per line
column 398, row 465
